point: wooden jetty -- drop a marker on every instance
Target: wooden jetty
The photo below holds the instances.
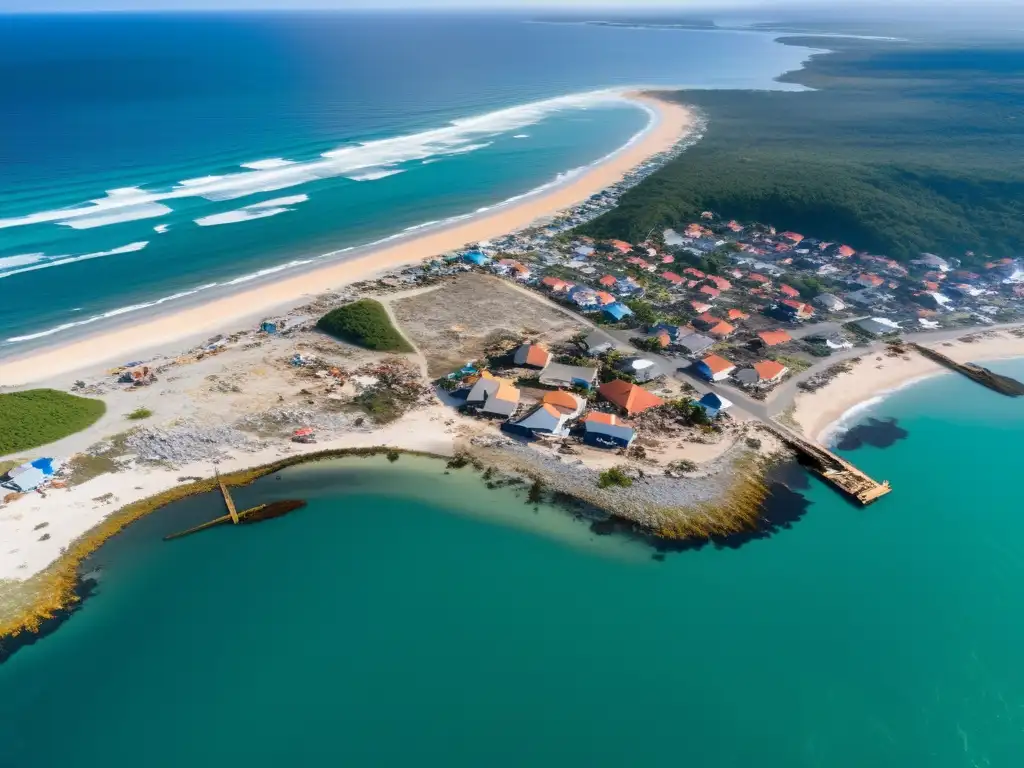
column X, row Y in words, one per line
column 1004, row 385
column 234, row 517
column 836, row 470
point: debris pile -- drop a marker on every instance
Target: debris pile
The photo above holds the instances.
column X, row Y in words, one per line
column 188, row 441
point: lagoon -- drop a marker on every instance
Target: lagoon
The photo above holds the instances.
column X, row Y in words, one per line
column 409, row 616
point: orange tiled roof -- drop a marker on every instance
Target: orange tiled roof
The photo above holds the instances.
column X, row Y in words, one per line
column 773, row 338
column 768, row 369
column 537, row 355
column 788, row 290
column 717, row 363
column 722, row 329
column 607, row 281
column 629, row 397
column 598, row 417
column 707, row 290
column 737, row 314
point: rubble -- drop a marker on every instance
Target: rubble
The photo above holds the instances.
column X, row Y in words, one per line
column 188, row 441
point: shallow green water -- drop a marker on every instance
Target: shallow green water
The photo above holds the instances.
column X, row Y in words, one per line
column 375, row 627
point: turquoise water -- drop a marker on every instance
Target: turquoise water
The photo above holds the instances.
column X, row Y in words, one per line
column 412, row 617
column 133, row 148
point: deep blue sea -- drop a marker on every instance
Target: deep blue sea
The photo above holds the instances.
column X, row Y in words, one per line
column 412, row 617
column 144, row 158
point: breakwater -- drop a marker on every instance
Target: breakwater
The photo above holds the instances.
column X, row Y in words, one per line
column 997, row 382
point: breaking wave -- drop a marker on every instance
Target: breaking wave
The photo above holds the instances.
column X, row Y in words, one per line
column 459, row 136
column 374, row 175
column 36, row 261
column 255, row 211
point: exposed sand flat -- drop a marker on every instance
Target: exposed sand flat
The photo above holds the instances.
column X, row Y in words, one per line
column 871, row 378
column 672, row 123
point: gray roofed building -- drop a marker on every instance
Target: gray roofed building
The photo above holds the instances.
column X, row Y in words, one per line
column 598, row 343
column 830, row 302
column 747, row 377
column 695, row 343
column 641, row 368
column 544, row 418
column 483, row 389
column 560, row 375
column 878, row 326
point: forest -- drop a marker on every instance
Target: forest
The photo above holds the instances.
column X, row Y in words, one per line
column 902, row 148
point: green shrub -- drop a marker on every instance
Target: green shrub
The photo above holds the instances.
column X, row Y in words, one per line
column 40, row 416
column 139, row 413
column 364, row 323
column 614, row 477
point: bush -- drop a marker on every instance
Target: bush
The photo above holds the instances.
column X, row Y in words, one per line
column 364, row 323
column 139, row 413
column 683, row 466
column 753, row 442
column 40, row 416
column 614, row 477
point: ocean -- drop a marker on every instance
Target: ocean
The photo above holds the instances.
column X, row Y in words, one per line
column 409, row 616
column 148, row 160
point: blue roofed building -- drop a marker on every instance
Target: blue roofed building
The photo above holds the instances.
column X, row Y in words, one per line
column 475, row 257
column 604, row 430
column 618, row 311
column 713, row 404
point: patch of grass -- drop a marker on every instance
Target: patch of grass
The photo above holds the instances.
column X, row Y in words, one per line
column 139, row 413
column 614, row 478
column 83, row 467
column 41, row 416
column 364, row 323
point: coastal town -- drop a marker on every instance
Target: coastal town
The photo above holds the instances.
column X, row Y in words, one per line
column 650, row 382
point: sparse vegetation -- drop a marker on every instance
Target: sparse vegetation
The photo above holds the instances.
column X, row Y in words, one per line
column 614, row 478
column 683, row 466
column 38, row 417
column 364, row 323
column 139, row 413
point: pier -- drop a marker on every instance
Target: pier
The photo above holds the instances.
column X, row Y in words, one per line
column 1004, row 385
column 832, row 468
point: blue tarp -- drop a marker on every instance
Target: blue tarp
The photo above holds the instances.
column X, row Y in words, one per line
column 617, row 311
column 44, row 465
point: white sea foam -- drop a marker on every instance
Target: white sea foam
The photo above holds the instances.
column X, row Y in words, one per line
column 270, row 162
column 107, row 315
column 521, row 136
column 56, row 261
column 414, row 227
column 269, row 271
column 261, row 210
column 161, row 228
column 21, row 260
column 459, row 136
column 242, row 214
column 430, row 161
column 375, row 175
column 118, row 216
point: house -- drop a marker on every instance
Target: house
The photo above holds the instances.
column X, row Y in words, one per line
column 737, row 314
column 636, row 261
column 621, row 246
column 556, row 284
column 832, row 341
column 475, row 257
column 598, row 343
column 660, row 335
column 707, row 290
column 774, row 338
column 604, row 298
column 795, row 310
column 932, row 261
column 700, row 307
column 494, row 396
column 762, row 374
column 694, row 344
column 567, row 403
column 733, row 226
column 532, row 356
column 604, row 430
column 584, row 250
column 869, row 281
column 673, row 278
column 608, row 281
column 543, row 420
column 617, row 311
column 695, row 273
column 627, row 397
column 722, row 330
column 829, row 302
column 793, row 237
column 627, row 286
column 714, row 368
column 878, row 326
column 569, row 376
column 720, row 282
column 845, row 252
column 641, row 369
column 756, row 277
column 788, row 290
column 705, row 321
column 583, row 297
column 713, row 404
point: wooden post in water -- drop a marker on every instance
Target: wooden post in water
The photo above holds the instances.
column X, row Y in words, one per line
column 227, row 499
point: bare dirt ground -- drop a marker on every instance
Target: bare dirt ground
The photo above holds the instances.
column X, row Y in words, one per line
column 456, row 321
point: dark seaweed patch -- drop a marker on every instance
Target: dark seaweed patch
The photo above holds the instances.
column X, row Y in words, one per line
column 880, row 433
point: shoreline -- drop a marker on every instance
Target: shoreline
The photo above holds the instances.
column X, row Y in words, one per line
column 670, row 125
column 824, row 413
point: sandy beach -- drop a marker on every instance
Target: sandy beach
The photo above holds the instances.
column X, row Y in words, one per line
column 878, row 374
column 671, row 124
